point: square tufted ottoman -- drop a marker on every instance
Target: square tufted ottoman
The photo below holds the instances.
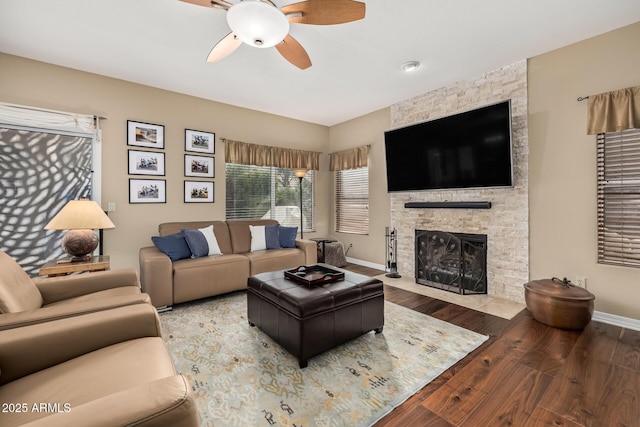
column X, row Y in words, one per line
column 307, row 321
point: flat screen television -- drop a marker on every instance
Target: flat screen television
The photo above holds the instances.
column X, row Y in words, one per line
column 465, row 150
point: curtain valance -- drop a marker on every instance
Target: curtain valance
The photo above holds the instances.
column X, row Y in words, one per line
column 352, row 158
column 614, row 111
column 244, row 153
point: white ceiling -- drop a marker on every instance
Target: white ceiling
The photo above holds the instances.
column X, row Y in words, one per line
column 356, row 66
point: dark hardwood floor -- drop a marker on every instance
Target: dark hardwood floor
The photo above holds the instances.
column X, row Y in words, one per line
column 526, row 374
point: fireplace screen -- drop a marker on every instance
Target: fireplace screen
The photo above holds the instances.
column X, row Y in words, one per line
column 454, row 262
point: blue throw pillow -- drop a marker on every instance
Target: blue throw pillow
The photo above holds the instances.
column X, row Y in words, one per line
column 288, row 237
column 197, row 243
column 272, row 236
column 173, row 245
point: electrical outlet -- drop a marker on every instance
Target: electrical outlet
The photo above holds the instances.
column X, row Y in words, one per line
column 581, row 282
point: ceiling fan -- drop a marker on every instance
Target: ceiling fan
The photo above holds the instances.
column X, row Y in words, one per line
column 259, row 23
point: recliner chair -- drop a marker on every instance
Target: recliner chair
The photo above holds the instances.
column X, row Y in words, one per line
column 24, row 301
column 108, row 368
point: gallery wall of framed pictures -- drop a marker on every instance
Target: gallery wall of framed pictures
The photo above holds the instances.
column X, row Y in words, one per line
column 199, row 164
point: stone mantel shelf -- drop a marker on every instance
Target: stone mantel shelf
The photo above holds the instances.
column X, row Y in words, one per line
column 448, row 205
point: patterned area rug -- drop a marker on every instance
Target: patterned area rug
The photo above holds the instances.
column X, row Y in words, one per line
column 241, row 377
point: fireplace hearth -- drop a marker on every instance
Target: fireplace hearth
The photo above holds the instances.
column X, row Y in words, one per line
column 456, row 262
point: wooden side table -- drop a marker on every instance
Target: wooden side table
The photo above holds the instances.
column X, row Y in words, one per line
column 62, row 267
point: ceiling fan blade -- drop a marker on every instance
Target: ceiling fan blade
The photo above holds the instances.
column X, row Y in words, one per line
column 324, row 12
column 210, row 3
column 224, row 48
column 293, row 52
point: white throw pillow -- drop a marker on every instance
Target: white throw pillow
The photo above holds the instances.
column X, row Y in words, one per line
column 258, row 240
column 214, row 248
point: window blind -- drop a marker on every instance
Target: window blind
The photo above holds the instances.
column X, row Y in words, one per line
column 267, row 192
column 619, row 198
column 352, row 201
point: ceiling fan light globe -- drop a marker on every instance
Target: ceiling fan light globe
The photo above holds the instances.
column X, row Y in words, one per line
column 258, row 23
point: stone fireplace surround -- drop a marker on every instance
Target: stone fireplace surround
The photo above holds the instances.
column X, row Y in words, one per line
column 506, row 222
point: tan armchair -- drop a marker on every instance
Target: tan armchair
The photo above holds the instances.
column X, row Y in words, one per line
column 109, row 368
column 24, row 301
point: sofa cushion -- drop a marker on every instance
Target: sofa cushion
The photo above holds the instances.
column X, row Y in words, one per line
column 272, row 236
column 288, row 237
column 207, row 276
column 212, row 241
column 258, row 241
column 220, row 230
column 202, row 242
column 174, row 246
column 197, row 243
column 241, row 235
column 277, row 259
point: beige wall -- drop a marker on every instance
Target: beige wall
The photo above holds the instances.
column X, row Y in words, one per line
column 562, row 168
column 365, row 130
column 43, row 85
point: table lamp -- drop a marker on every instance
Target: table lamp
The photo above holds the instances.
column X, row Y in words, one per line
column 300, row 173
column 80, row 217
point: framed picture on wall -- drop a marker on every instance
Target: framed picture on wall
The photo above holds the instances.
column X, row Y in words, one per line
column 199, row 142
column 200, row 166
column 147, row 190
column 198, row 191
column 146, row 163
column 145, row 134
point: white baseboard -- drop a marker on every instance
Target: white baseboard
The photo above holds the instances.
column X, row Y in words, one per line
column 365, row 263
column 611, row 319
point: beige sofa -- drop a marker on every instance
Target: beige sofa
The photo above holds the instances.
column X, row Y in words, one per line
column 169, row 283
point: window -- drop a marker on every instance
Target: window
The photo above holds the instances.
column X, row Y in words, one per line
column 41, row 171
column 269, row 193
column 352, row 201
column 619, row 198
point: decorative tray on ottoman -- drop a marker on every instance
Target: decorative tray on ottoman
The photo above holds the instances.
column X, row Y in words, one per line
column 313, row 275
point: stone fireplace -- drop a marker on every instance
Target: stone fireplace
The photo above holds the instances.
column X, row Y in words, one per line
column 504, row 216
column 455, row 262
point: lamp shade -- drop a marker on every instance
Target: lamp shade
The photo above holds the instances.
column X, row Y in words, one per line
column 80, row 215
column 258, row 23
column 300, row 173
